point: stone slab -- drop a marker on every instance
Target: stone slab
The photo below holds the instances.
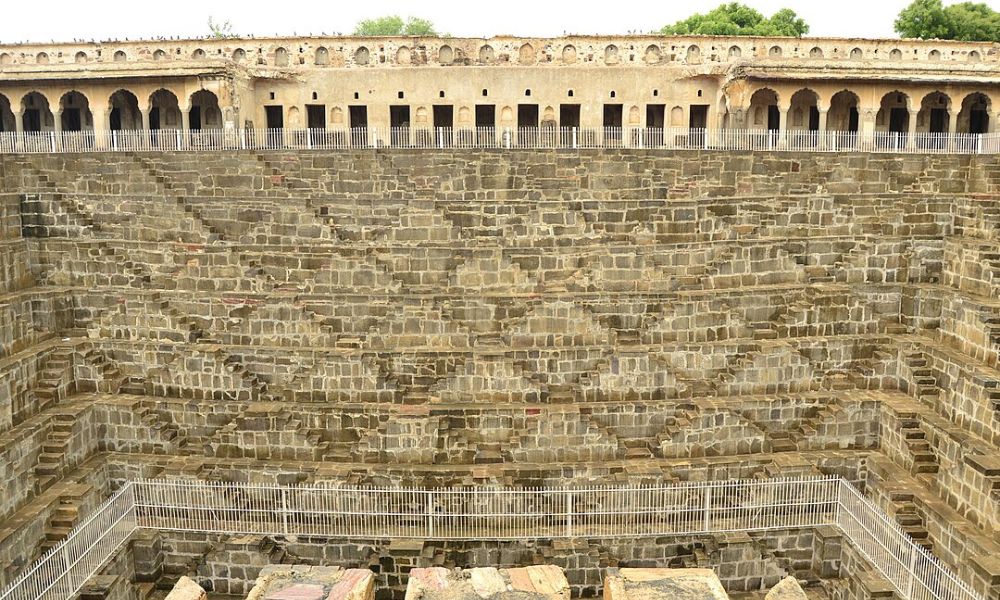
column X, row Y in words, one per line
column 663, row 584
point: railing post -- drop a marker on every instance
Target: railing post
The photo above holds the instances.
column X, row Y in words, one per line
column 284, row 511
column 708, row 508
column 574, row 137
column 309, row 138
column 569, row 513
column 114, row 140
column 912, row 571
column 52, row 140
column 430, row 514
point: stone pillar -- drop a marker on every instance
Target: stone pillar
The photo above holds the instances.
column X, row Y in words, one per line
column 952, row 128
column 185, row 126
column 57, row 129
column 19, row 122
column 783, row 126
column 143, row 129
column 866, row 128
column 101, row 134
column 911, row 133
column 822, row 142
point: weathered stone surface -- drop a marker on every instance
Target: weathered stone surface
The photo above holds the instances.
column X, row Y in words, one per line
column 663, row 584
column 787, row 589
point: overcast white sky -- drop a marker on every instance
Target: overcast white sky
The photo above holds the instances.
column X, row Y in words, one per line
column 69, row 19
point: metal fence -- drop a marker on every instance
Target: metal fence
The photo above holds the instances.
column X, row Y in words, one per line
column 497, row 138
column 334, row 511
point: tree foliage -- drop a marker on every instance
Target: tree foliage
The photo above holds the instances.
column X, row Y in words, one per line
column 738, row 19
column 220, row 30
column 966, row 21
column 395, row 25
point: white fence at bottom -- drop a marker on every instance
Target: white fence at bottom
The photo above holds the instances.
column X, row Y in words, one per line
column 531, row 138
column 334, row 511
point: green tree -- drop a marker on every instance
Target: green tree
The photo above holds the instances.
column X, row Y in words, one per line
column 395, row 25
column 738, row 19
column 966, row 21
column 220, row 30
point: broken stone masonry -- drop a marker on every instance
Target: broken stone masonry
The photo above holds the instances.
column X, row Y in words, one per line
column 472, row 318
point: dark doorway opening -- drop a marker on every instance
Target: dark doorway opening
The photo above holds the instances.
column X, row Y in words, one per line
column 697, row 124
column 444, row 123
column 194, row 118
column 979, row 121
column 71, row 120
column 527, row 124
column 316, row 116
column 357, row 120
column 773, row 118
column 939, row 120
column 154, row 118
column 275, row 125
column 813, row 118
column 656, row 120
column 613, row 124
column 486, row 122
column 569, row 123
column 114, row 120
column 853, row 120
column 899, row 119
column 399, row 123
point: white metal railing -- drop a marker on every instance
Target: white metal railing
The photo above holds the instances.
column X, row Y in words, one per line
column 335, row 511
column 498, row 138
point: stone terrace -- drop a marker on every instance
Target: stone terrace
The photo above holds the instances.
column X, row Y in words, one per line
column 516, row 318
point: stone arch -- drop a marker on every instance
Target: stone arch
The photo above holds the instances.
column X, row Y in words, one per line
column 75, row 113
column 362, row 56
column 486, row 54
column 804, row 110
column 633, row 115
column 934, row 55
column 611, row 54
column 446, row 55
column 205, row 112
column 526, row 54
column 693, row 54
column 280, row 57
column 322, row 56
column 933, row 116
column 124, row 111
column 120, row 56
column 894, row 113
column 42, row 58
column 35, row 113
column 239, row 55
column 735, row 52
column 294, row 117
column 677, row 117
column 895, row 54
column 464, row 115
column 844, row 113
column 816, row 52
column 403, row 56
column 569, row 54
column 80, row 57
column 548, row 117
column 6, row 115
column 857, row 54
column 774, row 51
column 974, row 116
column 159, row 55
column 164, row 110
column 6, row 59
column 198, row 54
column 974, row 56
column 653, row 54
column 764, row 112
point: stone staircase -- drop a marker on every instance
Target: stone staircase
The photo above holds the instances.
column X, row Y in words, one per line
column 52, row 458
column 62, row 520
column 924, row 458
column 51, row 385
column 160, row 428
column 909, row 518
column 925, row 382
